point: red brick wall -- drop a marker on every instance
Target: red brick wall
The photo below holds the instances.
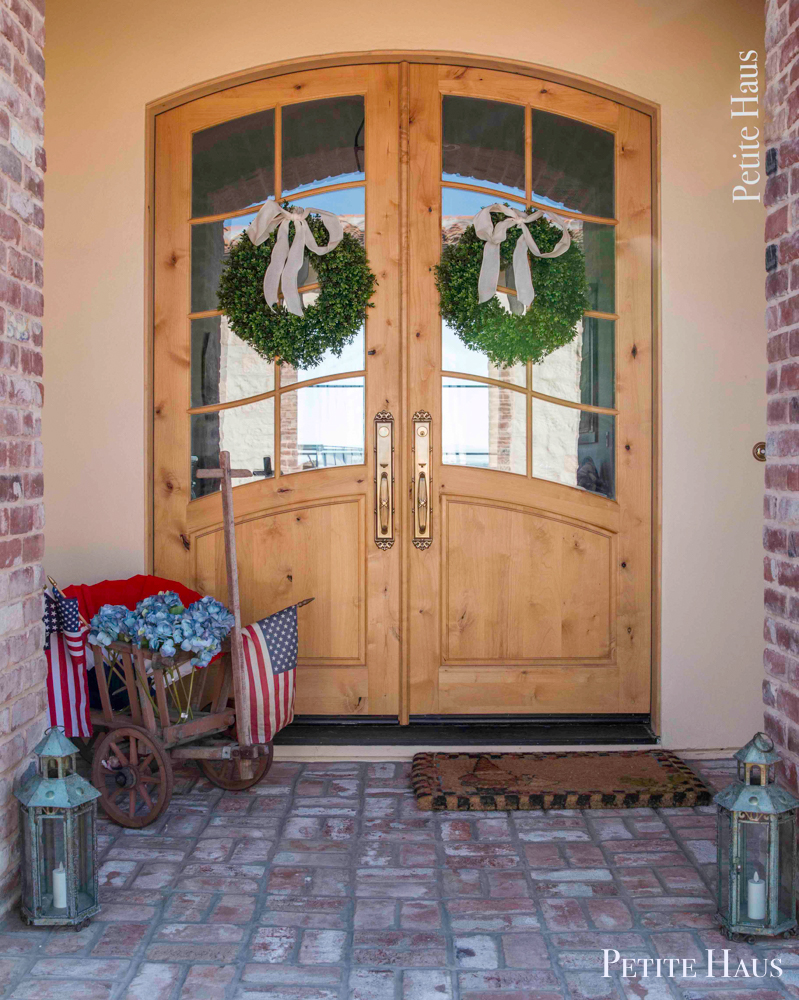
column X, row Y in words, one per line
column 22, row 166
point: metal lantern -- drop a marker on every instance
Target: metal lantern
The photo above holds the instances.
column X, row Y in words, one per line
column 756, row 848
column 59, row 838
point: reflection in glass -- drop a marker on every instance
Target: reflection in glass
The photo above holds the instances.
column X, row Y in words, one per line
column 349, row 205
column 599, row 246
column 247, row 432
column 322, row 425
column 457, row 357
column 225, row 368
column 209, row 241
column 582, row 371
column 574, row 447
column 573, row 165
column 232, row 165
column 458, row 208
column 483, row 426
column 350, row 360
column 483, row 143
column 323, row 143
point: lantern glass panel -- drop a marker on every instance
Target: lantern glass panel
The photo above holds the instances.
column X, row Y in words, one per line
column 52, row 853
column 724, row 835
column 84, row 863
column 786, row 897
column 754, row 860
column 27, row 871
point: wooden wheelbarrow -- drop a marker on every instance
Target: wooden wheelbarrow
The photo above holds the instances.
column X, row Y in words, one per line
column 132, row 762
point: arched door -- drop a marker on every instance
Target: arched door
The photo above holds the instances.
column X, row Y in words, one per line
column 515, row 573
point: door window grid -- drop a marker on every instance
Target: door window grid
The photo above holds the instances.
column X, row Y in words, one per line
column 588, row 415
column 288, row 383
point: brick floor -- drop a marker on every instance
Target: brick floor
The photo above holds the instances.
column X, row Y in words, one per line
column 324, row 882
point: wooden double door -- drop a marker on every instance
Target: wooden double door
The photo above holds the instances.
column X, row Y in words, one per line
column 478, row 539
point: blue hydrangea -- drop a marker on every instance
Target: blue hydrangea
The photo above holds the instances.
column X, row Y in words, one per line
column 162, row 623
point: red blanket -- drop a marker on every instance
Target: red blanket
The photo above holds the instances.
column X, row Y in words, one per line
column 128, row 592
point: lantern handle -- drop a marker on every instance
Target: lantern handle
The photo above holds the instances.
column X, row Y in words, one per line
column 763, row 742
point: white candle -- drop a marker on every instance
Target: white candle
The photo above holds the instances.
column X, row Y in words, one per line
column 60, row 888
column 756, row 899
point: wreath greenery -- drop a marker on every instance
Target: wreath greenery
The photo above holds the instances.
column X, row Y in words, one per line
column 346, row 285
column 508, row 339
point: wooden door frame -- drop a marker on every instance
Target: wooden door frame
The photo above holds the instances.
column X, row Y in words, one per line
column 405, row 59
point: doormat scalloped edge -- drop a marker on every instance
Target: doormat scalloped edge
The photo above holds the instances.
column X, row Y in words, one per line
column 687, row 791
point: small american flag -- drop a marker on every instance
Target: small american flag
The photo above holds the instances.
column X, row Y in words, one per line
column 270, row 657
column 65, row 648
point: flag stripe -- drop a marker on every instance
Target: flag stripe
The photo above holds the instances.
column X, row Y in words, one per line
column 67, row 684
column 270, row 657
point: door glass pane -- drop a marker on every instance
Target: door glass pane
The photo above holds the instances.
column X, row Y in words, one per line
column 573, row 165
column 599, row 246
column 582, row 371
column 322, row 425
column 224, row 367
column 350, row 360
column 457, row 357
column 323, row 143
column 247, row 432
column 574, row 447
column 209, row 241
column 483, row 143
column 483, row 426
column 232, row 165
column 349, row 205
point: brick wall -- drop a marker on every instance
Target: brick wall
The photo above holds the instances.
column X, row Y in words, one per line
column 22, row 166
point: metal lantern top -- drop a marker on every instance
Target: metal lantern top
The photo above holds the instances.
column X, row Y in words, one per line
column 756, row 790
column 759, row 750
column 55, row 750
column 56, row 785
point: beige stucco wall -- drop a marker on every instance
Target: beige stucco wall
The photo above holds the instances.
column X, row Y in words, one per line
column 105, row 61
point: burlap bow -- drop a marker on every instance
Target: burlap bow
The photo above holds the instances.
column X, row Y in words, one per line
column 495, row 235
column 286, row 261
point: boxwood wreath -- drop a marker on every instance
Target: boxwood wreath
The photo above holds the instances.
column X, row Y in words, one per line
column 346, row 286
column 549, row 323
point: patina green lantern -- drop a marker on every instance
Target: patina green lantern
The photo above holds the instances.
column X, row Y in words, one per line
column 756, row 848
column 60, row 884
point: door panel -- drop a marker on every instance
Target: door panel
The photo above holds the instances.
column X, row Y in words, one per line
column 493, row 615
column 531, row 591
column 534, row 596
column 328, row 140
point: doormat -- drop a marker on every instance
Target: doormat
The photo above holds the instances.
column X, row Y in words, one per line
column 591, row 780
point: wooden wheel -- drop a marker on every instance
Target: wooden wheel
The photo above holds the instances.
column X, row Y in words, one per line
column 226, row 773
column 133, row 774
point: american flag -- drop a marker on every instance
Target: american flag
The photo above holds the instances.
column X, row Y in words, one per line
column 65, row 648
column 270, row 657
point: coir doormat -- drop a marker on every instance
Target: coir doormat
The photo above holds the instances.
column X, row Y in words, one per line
column 591, row 780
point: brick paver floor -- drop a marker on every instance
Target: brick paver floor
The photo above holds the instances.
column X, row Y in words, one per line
column 325, row 882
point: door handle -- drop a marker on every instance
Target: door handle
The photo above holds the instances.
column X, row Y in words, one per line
column 421, row 488
column 384, row 479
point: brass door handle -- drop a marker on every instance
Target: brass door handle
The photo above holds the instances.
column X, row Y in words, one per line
column 422, row 457
column 759, row 451
column 384, row 479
